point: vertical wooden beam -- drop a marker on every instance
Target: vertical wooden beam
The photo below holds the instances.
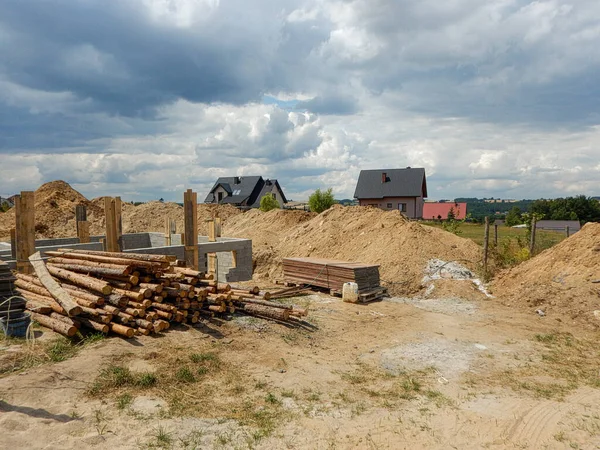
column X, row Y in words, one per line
column 212, row 257
column 25, row 230
column 217, row 227
column 111, row 225
column 118, row 223
column 190, row 211
column 167, row 231
column 83, row 232
column 486, row 237
column 532, row 239
column 80, row 215
column 13, row 243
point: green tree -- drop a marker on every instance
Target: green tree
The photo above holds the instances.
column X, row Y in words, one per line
column 513, row 217
column 268, row 202
column 451, row 214
column 319, row 201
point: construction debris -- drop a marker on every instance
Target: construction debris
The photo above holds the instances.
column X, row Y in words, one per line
column 132, row 294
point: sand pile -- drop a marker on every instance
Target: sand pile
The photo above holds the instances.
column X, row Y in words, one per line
column 55, row 204
column 558, row 281
column 364, row 234
column 54, row 211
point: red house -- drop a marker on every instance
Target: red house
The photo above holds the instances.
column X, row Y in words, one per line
column 439, row 211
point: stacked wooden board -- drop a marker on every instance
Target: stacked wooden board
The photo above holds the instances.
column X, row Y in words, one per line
column 332, row 274
column 131, row 294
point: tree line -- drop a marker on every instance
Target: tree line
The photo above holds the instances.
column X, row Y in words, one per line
column 581, row 208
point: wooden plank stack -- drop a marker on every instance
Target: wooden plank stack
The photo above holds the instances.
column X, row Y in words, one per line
column 332, row 274
column 134, row 294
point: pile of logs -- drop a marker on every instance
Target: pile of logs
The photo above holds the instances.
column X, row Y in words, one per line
column 132, row 294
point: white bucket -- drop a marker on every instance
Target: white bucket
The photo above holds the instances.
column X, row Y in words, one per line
column 350, row 293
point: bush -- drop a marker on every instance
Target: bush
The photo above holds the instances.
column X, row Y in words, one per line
column 268, row 202
column 320, row 201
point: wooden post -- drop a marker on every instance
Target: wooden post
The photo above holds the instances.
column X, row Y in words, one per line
column 532, row 240
column 25, row 230
column 118, row 223
column 496, row 235
column 190, row 211
column 13, row 243
column 486, row 236
column 83, row 232
column 80, row 216
column 111, row 225
column 567, row 230
column 167, row 232
column 217, row 227
column 212, row 237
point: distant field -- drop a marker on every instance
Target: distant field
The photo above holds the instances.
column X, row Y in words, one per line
column 474, row 231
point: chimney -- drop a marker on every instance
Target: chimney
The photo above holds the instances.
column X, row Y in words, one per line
column 383, row 177
column 236, row 180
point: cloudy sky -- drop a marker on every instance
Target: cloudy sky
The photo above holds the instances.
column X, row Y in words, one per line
column 146, row 98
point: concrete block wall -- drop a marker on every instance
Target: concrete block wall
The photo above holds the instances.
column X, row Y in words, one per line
column 153, row 243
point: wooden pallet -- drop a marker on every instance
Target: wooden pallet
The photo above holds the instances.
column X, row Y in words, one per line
column 365, row 296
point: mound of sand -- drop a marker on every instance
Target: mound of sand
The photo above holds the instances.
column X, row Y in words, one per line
column 55, row 204
column 558, row 281
column 364, row 234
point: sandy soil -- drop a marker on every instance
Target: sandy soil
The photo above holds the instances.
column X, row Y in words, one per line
column 404, row 373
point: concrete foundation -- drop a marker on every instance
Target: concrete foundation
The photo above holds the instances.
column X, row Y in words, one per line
column 154, row 243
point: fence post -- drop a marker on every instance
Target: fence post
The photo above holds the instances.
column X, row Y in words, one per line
column 532, row 240
column 496, row 235
column 567, row 230
column 486, row 237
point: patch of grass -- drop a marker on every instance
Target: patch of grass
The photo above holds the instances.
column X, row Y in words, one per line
column 271, row 398
column 124, row 400
column 162, row 437
column 116, row 377
column 545, row 338
column 411, row 385
column 288, row 394
column 61, row 350
column 212, row 358
column 185, row 375
column 192, row 440
column 260, row 385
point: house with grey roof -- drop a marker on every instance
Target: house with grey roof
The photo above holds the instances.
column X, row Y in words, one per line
column 401, row 189
column 245, row 192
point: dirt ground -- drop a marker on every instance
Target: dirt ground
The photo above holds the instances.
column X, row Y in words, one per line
column 403, row 373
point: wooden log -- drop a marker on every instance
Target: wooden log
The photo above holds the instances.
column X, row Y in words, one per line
column 119, row 259
column 97, row 314
column 142, row 332
column 205, row 313
column 151, row 316
column 121, row 330
column 62, row 318
column 119, row 284
column 42, row 299
column 86, row 303
column 132, row 311
column 188, row 272
column 57, row 292
column 157, row 299
column 137, row 296
column 156, row 288
column 144, row 323
column 217, row 308
column 146, row 292
column 265, row 311
column 131, row 256
column 56, row 325
column 131, row 279
column 38, row 307
column 122, row 270
column 83, row 232
column 164, row 314
column 77, row 295
column 81, row 280
column 164, row 307
column 266, row 303
column 116, row 300
column 97, row 326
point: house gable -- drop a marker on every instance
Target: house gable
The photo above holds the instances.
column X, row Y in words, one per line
column 244, row 191
column 383, row 183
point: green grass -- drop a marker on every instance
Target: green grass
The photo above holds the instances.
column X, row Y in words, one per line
column 185, row 375
column 115, row 377
column 475, row 232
